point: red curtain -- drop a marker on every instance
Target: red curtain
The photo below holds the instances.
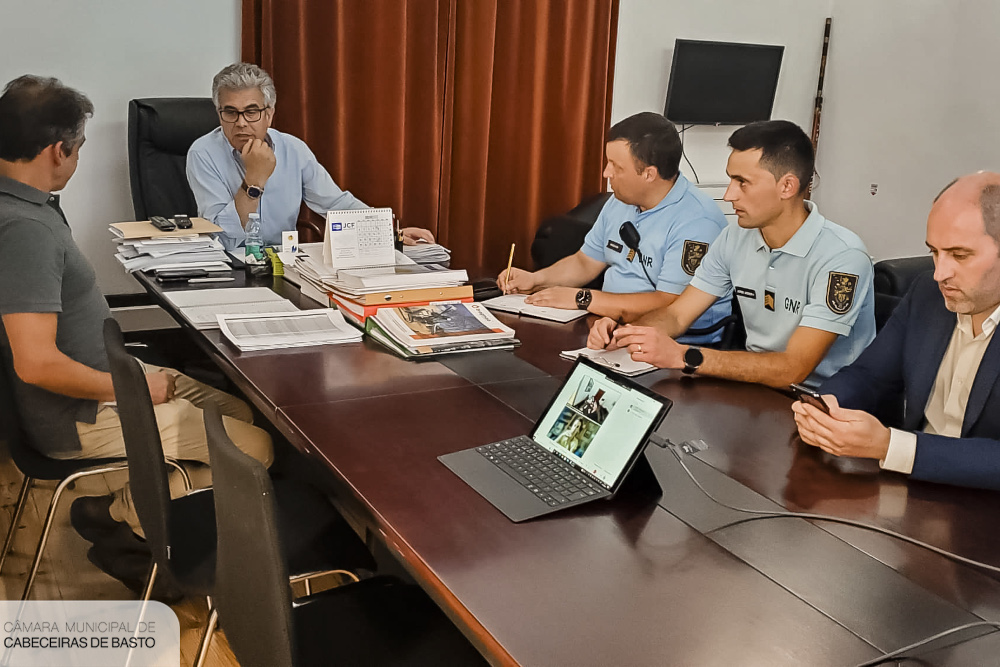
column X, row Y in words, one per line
column 473, row 118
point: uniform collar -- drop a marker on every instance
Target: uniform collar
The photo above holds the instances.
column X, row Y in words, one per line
column 803, row 239
column 678, row 190
column 24, row 191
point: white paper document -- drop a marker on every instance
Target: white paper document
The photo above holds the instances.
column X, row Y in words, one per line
column 514, row 303
column 270, row 331
column 620, row 361
column 202, row 307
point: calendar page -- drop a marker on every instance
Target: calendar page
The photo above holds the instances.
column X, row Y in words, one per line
column 359, row 237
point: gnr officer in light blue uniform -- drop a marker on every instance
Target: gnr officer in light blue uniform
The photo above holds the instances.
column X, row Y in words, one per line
column 676, row 223
column 804, row 284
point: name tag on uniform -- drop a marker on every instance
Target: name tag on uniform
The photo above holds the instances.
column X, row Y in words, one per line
column 617, row 247
column 746, row 293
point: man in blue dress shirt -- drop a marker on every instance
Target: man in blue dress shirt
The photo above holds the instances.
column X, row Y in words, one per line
column 246, row 167
column 676, row 224
column 804, row 284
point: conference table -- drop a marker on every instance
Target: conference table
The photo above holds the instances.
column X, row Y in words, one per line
column 660, row 575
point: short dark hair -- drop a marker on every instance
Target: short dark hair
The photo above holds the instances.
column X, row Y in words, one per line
column 652, row 140
column 37, row 112
column 785, row 148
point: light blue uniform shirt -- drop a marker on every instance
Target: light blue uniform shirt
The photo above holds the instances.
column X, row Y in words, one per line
column 675, row 234
column 215, row 172
column 821, row 279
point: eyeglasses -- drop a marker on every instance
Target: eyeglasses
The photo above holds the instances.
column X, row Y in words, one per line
column 251, row 115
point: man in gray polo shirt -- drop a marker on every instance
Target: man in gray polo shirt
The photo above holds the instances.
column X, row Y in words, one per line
column 804, row 284
column 53, row 315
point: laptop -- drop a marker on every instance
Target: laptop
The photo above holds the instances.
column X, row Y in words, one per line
column 581, row 449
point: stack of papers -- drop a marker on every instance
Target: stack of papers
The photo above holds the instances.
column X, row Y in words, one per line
column 620, row 360
column 439, row 328
column 202, row 307
column 281, row 330
column 514, row 303
column 175, row 252
column 406, row 281
column 427, row 253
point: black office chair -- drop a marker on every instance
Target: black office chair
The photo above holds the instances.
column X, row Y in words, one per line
column 36, row 466
column 160, row 132
column 891, row 282
column 377, row 621
column 181, row 532
column 563, row 235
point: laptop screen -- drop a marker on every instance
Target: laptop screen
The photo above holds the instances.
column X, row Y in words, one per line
column 599, row 421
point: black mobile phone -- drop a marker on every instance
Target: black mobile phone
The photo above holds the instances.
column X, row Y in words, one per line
column 176, row 275
column 182, row 221
column 810, row 396
column 163, row 224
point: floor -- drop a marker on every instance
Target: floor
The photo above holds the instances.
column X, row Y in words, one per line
column 65, row 572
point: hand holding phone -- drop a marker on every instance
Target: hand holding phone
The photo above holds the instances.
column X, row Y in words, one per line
column 810, row 396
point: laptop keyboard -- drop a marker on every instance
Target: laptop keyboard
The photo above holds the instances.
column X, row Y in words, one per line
column 554, row 481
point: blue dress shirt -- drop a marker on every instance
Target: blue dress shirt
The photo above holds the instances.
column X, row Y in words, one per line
column 215, row 172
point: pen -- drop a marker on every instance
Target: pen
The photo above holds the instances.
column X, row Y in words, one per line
column 210, row 280
column 510, row 261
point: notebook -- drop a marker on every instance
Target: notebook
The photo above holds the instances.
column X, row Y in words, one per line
column 581, row 449
column 515, row 303
column 620, row 360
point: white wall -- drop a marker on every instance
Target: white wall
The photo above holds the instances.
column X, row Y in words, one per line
column 115, row 50
column 646, row 33
column 910, row 97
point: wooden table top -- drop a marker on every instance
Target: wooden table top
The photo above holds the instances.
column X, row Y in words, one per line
column 645, row 578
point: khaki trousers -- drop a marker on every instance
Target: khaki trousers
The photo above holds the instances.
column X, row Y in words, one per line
column 182, row 432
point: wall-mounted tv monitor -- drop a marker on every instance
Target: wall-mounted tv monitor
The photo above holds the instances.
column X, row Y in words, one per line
column 722, row 83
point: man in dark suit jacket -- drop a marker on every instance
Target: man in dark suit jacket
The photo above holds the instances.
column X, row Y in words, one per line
column 938, row 351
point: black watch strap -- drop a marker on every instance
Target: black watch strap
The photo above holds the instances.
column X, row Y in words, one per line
column 583, row 299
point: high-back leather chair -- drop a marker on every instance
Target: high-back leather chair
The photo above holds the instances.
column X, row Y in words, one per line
column 160, row 132
column 892, row 280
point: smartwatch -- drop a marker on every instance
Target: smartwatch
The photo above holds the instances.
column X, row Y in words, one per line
column 252, row 190
column 583, row 298
column 692, row 359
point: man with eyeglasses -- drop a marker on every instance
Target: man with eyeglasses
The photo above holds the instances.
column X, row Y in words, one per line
column 246, row 167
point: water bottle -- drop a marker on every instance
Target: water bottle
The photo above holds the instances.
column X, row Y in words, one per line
column 254, row 244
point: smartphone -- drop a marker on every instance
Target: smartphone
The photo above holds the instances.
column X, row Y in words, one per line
column 163, row 224
column 182, row 221
column 810, row 396
column 179, row 275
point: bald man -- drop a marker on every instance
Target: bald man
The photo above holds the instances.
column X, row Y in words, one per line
column 938, row 350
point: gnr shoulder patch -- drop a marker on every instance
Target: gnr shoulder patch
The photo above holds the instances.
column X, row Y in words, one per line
column 840, row 289
column 694, row 251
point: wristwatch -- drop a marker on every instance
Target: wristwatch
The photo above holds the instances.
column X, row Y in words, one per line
column 692, row 359
column 583, row 298
column 252, row 190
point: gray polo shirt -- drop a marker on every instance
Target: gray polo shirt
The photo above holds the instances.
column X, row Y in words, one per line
column 821, row 279
column 43, row 271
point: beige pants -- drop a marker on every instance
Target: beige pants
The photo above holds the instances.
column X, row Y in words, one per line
column 182, row 432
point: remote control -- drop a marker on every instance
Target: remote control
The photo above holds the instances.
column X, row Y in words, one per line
column 182, row 221
column 162, row 223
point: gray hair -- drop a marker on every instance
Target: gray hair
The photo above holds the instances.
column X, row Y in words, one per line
column 240, row 76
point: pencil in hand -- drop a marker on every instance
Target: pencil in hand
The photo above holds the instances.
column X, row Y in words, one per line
column 510, row 262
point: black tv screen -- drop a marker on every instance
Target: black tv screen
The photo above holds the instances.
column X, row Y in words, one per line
column 722, row 83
